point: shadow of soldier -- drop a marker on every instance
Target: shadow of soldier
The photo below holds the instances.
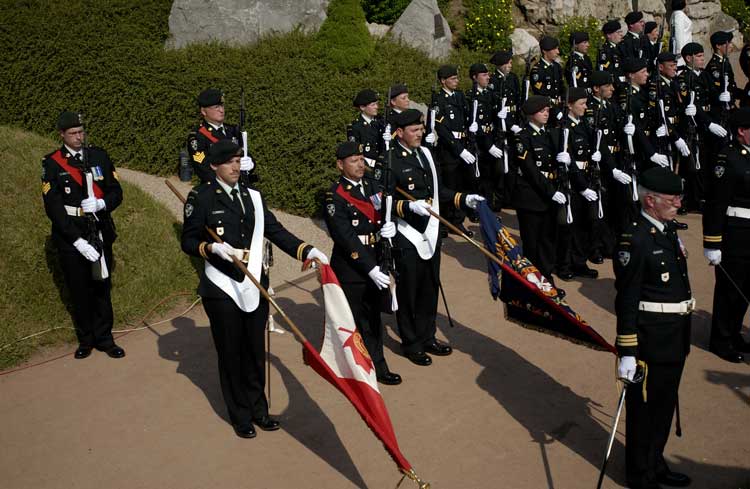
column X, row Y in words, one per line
column 737, row 383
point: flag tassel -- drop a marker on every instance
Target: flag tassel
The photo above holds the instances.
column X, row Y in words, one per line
column 413, row 476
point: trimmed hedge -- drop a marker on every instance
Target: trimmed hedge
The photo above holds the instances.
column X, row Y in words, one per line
column 343, row 38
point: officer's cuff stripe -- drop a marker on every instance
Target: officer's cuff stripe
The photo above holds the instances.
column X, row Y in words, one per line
column 712, row 239
column 301, row 250
column 202, row 250
column 457, row 200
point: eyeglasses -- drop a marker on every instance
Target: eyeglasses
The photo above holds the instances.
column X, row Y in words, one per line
column 670, row 199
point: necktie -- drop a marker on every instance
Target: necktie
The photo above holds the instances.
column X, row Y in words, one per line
column 357, row 190
column 236, row 202
column 419, row 158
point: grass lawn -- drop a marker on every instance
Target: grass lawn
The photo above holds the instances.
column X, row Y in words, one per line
column 149, row 263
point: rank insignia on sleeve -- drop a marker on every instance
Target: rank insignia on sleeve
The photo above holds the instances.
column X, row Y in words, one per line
column 117, row 177
column 623, row 257
column 331, row 208
column 189, row 210
column 46, row 186
column 719, row 171
column 354, row 255
column 194, row 144
column 199, row 156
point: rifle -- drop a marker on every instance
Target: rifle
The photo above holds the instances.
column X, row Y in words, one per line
column 563, row 175
column 595, row 171
column 503, row 140
column 724, row 115
column 472, row 136
column 92, row 234
column 385, row 255
column 693, row 139
column 664, row 140
column 629, row 163
column 433, row 111
column 527, row 75
column 244, row 175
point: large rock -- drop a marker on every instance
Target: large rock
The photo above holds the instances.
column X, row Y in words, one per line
column 240, row 21
column 708, row 18
column 523, row 41
column 378, row 30
column 423, row 27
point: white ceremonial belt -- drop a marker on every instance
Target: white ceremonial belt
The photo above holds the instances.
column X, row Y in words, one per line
column 684, row 307
column 738, row 212
column 457, row 135
column 74, row 211
column 367, row 239
column 242, row 255
column 581, row 164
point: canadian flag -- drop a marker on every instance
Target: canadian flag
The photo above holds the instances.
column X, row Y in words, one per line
column 344, row 362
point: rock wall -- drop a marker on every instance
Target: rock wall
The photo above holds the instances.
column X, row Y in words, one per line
column 423, row 27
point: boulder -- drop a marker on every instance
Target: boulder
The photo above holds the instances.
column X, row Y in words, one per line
column 423, row 27
column 240, row 21
column 378, row 30
column 523, row 41
column 708, row 18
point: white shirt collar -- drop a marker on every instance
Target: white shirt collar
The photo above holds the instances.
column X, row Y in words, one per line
column 226, row 186
column 449, row 92
column 536, row 128
column 366, row 118
column 352, row 181
column 580, row 55
column 570, row 116
column 220, row 126
column 72, row 151
column 657, row 224
column 405, row 148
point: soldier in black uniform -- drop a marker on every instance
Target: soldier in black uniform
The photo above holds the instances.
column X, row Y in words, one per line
column 353, row 216
column 211, row 130
column 417, row 244
column 651, row 47
column 745, row 66
column 653, row 306
column 83, row 231
column 631, row 45
column 610, row 59
column 722, row 88
column 234, row 307
column 547, row 75
column 399, row 101
column 368, row 128
column 578, row 67
column 726, row 233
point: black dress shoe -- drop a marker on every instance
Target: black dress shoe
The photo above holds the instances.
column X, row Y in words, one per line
column 245, row 431
column 437, row 348
column 389, row 378
column 82, row 352
column 728, row 354
column 560, row 292
column 267, row 423
column 419, row 358
column 680, row 225
column 585, row 272
column 674, row 479
column 597, row 258
column 565, row 275
column 115, row 352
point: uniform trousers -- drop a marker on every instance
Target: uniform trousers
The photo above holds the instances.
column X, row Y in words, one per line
column 453, row 176
column 729, row 306
column 539, row 238
column 417, row 294
column 364, row 300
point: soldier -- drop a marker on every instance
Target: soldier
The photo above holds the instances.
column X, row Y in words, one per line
column 725, row 237
column 353, row 217
column 722, row 88
column 547, row 74
column 651, row 44
column 211, row 130
column 418, row 241
column 745, row 66
column 368, row 128
column 610, row 59
column 235, row 309
column 653, row 307
column 507, row 86
column 578, row 67
column 399, row 101
column 631, row 45
column 80, row 188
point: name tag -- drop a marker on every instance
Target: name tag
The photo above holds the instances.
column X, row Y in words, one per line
column 658, row 252
column 217, row 212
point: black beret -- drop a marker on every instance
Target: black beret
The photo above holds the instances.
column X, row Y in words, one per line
column 534, row 104
column 398, row 89
column 501, row 57
column 691, row 49
column 407, row 118
column 447, row 71
column 68, row 119
column 611, row 26
column 666, row 57
column 579, row 37
column 548, row 43
column 633, row 65
column 740, row 117
column 222, row 151
column 365, row 97
column 720, row 37
column 633, row 17
column 662, row 180
column 210, row 97
column 477, row 68
column 678, row 4
column 650, row 26
column 347, row 149
column 599, row 78
column 577, row 93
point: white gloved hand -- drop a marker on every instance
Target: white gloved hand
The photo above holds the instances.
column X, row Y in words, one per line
column 661, row 131
column 430, row 138
column 224, row 251
column 559, row 198
column 725, row 97
column 626, row 368
column 246, row 163
column 387, row 133
column 629, row 129
column 91, row 204
column 381, row 280
column 467, row 157
column 503, row 113
column 472, row 200
column 474, row 127
column 316, row 253
column 388, row 230
column 85, row 249
column 563, row 157
column 682, row 146
column 496, row 152
column 660, row 159
column 713, row 256
column 691, row 110
column 589, row 195
column 596, row 156
column 621, row 176
column 420, row 208
column 717, row 130
column 516, row 128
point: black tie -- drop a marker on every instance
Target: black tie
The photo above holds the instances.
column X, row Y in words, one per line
column 358, row 191
column 419, row 159
column 236, row 202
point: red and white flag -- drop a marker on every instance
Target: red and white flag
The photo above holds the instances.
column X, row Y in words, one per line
column 344, row 362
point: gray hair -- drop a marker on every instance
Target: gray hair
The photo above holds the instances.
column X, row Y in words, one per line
column 642, row 193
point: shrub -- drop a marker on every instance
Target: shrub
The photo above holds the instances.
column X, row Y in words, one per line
column 740, row 10
column 388, row 11
column 343, row 38
column 581, row 24
column 489, row 25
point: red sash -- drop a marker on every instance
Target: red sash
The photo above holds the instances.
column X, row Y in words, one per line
column 75, row 173
column 208, row 134
column 365, row 207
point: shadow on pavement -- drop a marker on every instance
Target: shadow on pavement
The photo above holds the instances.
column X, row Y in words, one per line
column 733, row 381
column 600, row 291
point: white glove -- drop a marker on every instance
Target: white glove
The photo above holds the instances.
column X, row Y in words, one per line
column 496, row 152
column 503, row 113
column 626, row 368
column 388, row 230
column 420, row 208
column 621, row 176
column 381, row 280
column 467, row 157
column 430, row 138
column 563, row 157
column 717, row 130
column 589, row 195
column 474, row 127
column 246, row 163
column 316, row 253
column 88, row 251
column 387, row 133
column 596, row 156
column 472, row 200
column 660, row 159
column 691, row 110
column 225, row 251
column 682, row 146
column 559, row 198
column 661, row 131
column 725, row 97
column 92, row 204
column 713, row 256
column 515, row 128
column 629, row 129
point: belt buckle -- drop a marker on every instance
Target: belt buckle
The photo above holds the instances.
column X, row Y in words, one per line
column 245, row 256
column 690, row 305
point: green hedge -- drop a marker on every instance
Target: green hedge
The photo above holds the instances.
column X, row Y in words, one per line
column 343, row 38
column 591, row 25
column 740, row 10
column 388, row 11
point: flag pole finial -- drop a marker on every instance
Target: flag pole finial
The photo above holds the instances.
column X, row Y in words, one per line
column 413, row 476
